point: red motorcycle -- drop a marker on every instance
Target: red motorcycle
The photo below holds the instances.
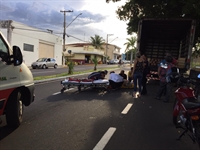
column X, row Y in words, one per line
column 186, row 112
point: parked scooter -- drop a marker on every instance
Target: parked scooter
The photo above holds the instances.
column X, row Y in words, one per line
column 186, row 112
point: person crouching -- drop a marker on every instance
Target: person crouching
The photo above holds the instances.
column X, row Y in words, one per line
column 115, row 80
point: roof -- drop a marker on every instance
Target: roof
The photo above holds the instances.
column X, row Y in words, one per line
column 87, row 44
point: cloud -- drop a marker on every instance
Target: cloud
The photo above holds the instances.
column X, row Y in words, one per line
column 97, row 17
column 39, row 14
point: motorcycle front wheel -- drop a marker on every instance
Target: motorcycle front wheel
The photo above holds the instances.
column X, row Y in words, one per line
column 197, row 132
column 176, row 119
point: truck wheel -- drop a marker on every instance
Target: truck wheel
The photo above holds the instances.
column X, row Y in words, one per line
column 44, row 67
column 14, row 109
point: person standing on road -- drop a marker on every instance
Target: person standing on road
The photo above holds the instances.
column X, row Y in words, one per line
column 164, row 85
column 145, row 72
column 137, row 74
column 130, row 77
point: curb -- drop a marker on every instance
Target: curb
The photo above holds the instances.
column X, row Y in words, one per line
column 64, row 77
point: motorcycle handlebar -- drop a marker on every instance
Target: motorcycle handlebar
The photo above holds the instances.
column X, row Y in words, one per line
column 186, row 81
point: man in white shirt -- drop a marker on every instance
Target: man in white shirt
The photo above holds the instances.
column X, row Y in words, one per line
column 115, row 80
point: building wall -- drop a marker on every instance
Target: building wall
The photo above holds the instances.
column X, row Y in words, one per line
column 83, row 53
column 79, row 56
column 19, row 40
column 24, row 34
column 112, row 51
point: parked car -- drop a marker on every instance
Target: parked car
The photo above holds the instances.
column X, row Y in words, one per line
column 114, row 61
column 44, row 63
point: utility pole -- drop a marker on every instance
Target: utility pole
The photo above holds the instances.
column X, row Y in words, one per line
column 107, row 46
column 64, row 33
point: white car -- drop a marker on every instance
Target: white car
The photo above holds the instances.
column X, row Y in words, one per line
column 114, row 61
column 44, row 63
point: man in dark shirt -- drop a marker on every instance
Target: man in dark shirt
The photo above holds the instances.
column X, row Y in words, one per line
column 123, row 74
column 98, row 75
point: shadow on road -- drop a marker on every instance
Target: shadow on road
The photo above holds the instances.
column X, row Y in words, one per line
column 5, row 131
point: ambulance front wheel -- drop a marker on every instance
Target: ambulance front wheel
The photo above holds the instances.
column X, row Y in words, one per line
column 14, row 109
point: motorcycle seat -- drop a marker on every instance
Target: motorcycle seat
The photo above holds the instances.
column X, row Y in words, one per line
column 191, row 103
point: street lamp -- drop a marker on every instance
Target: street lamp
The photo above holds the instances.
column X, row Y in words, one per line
column 113, row 39
column 74, row 19
column 66, row 27
column 107, row 46
column 64, row 33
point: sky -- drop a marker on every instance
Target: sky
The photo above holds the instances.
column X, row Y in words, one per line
column 98, row 17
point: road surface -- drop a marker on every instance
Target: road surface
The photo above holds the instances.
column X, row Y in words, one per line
column 92, row 119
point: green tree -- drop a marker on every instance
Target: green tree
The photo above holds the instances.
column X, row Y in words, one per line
column 95, row 61
column 130, row 46
column 70, row 65
column 134, row 10
column 97, row 41
column 128, row 54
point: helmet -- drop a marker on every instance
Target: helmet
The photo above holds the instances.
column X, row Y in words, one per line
column 174, row 77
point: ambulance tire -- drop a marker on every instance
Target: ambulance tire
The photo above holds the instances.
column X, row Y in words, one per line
column 14, row 109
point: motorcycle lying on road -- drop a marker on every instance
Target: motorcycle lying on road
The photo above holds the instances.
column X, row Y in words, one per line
column 186, row 112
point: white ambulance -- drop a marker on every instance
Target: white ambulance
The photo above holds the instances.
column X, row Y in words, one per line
column 16, row 83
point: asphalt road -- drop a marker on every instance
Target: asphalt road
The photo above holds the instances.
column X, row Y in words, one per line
column 52, row 71
column 93, row 119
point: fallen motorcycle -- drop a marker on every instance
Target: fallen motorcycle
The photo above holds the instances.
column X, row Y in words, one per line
column 186, row 112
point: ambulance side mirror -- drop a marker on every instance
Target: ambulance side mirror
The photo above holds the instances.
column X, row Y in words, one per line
column 17, row 56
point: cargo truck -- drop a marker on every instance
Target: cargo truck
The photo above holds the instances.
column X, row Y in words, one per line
column 158, row 36
column 16, row 83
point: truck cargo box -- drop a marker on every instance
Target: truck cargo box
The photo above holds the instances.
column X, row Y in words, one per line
column 158, row 36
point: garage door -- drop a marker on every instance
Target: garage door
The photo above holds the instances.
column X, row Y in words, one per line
column 46, row 50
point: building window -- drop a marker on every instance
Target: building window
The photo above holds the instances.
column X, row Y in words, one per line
column 28, row 47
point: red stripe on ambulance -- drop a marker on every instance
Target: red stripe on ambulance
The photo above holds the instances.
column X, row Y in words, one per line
column 4, row 95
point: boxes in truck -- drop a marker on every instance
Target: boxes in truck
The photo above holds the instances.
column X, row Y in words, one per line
column 158, row 36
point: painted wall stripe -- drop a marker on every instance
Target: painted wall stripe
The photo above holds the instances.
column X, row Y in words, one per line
column 127, row 108
column 104, row 140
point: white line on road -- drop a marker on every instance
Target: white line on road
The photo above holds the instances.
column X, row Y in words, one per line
column 64, row 91
column 56, row 93
column 127, row 108
column 104, row 140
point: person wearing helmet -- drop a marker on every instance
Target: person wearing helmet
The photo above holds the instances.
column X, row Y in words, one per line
column 165, row 86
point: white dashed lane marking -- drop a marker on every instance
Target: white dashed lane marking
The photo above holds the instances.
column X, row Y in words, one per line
column 127, row 108
column 64, row 91
column 104, row 140
column 56, row 93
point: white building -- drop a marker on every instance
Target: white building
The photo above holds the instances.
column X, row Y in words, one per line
column 34, row 43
